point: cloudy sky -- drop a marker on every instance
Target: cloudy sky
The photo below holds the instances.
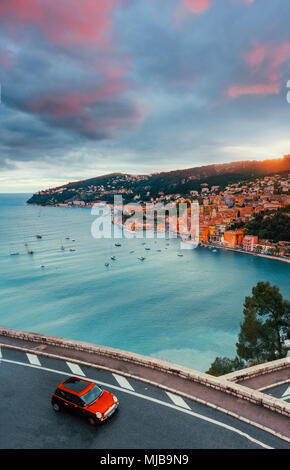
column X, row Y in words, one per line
column 96, row 86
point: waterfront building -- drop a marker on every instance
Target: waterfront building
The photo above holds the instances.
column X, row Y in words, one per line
column 233, row 238
column 249, row 242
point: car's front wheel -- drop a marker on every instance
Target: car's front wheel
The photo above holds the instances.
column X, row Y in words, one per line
column 56, row 406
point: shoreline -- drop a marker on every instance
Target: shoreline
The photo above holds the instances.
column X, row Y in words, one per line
column 261, row 255
column 206, row 245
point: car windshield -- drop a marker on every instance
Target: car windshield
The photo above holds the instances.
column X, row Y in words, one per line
column 92, row 395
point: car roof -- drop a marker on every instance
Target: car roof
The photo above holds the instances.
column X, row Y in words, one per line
column 76, row 385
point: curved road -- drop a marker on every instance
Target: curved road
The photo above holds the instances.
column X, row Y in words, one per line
column 147, row 418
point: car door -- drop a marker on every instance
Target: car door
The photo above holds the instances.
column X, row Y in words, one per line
column 75, row 404
column 69, row 402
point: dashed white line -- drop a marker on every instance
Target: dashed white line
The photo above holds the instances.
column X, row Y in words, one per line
column 75, row 368
column 155, row 400
column 33, row 359
column 123, row 382
column 286, row 394
column 178, row 400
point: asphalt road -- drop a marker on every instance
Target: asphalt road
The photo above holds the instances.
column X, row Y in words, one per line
column 280, row 391
column 147, row 418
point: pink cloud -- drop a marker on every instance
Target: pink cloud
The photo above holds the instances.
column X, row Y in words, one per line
column 63, row 106
column 68, row 23
column 112, row 69
column 256, row 89
column 256, row 56
column 187, row 7
column 196, row 6
column 6, row 59
column 78, row 110
column 264, row 61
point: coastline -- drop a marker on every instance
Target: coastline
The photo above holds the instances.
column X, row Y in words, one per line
column 261, row 255
column 206, row 245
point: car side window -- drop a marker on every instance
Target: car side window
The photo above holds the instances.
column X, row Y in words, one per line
column 60, row 393
column 74, row 399
column 69, row 397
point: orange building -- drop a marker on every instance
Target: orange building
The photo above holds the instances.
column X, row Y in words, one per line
column 249, row 242
column 212, row 229
column 233, row 238
column 248, row 210
column 203, row 233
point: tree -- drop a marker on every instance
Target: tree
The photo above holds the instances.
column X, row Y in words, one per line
column 224, row 365
column 269, row 303
column 256, row 339
column 265, row 327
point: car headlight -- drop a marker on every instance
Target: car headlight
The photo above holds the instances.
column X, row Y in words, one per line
column 99, row 415
column 115, row 399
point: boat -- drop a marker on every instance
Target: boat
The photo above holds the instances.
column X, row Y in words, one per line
column 147, row 249
column 214, row 251
column 113, row 258
column 30, row 252
column 118, row 244
column 179, row 254
column 107, row 264
column 72, row 249
column 132, row 251
column 62, row 247
column 141, row 258
column 38, row 236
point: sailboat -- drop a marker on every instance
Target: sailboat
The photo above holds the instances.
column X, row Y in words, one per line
column 14, row 253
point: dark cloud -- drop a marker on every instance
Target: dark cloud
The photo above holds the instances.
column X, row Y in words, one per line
column 148, row 87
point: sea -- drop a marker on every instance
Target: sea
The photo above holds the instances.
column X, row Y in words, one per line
column 183, row 309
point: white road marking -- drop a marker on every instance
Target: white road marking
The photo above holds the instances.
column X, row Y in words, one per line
column 286, row 394
column 123, row 382
column 33, row 359
column 75, row 368
column 155, row 400
column 178, row 400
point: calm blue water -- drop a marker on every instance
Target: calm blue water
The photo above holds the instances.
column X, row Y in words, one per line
column 185, row 310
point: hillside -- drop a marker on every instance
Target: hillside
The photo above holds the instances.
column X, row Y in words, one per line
column 143, row 187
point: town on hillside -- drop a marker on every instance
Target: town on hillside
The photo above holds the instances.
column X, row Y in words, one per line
column 250, row 215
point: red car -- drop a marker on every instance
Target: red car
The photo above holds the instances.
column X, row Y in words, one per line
column 85, row 398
